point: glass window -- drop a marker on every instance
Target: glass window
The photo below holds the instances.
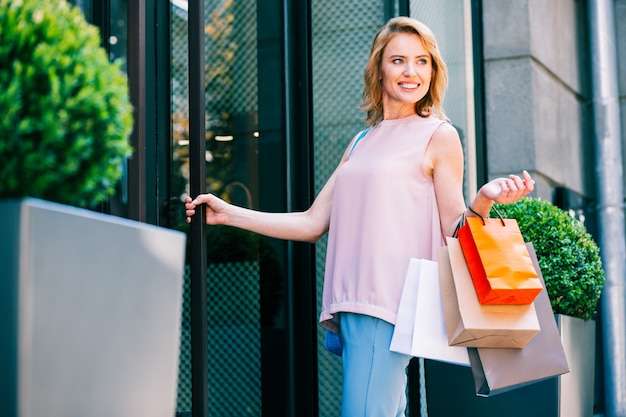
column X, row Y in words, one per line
column 341, row 39
column 451, row 22
column 233, row 264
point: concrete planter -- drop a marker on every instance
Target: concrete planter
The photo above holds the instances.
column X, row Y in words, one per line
column 576, row 388
column 450, row 388
column 89, row 313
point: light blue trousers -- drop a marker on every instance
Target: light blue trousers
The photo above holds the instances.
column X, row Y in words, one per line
column 374, row 378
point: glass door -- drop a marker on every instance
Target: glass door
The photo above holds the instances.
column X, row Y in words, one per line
column 245, row 161
column 233, row 282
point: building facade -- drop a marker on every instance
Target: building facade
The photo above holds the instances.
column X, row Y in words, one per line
column 256, row 100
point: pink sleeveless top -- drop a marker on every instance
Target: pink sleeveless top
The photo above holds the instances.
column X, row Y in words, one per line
column 384, row 213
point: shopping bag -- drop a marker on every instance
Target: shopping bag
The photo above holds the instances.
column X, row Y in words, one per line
column 498, row 261
column 500, row 370
column 469, row 323
column 420, row 329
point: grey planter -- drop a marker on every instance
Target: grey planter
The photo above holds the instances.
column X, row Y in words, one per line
column 576, row 388
column 450, row 388
column 90, row 310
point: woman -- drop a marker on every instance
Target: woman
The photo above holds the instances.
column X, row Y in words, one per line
column 395, row 194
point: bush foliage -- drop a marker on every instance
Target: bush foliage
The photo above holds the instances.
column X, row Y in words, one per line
column 65, row 115
column 568, row 256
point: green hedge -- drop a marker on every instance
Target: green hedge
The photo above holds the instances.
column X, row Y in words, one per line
column 65, row 115
column 568, row 256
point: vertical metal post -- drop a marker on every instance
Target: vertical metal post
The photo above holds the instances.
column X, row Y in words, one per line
column 137, row 84
column 302, row 327
column 609, row 169
column 197, row 149
column 290, row 130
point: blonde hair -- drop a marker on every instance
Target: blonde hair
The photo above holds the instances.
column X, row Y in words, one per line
column 372, row 99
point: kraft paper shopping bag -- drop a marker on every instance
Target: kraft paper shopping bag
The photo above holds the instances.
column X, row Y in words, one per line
column 500, row 370
column 498, row 261
column 472, row 324
column 420, row 329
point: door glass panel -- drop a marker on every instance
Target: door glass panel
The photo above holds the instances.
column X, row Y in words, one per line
column 233, row 264
column 340, row 51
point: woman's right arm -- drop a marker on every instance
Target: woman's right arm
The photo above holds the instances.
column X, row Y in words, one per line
column 305, row 226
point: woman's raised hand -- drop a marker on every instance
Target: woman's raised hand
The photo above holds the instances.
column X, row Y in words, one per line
column 508, row 190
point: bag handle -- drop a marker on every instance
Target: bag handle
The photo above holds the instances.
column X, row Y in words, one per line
column 459, row 225
column 482, row 218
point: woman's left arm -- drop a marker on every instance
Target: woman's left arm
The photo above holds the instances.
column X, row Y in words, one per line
column 444, row 164
column 444, row 161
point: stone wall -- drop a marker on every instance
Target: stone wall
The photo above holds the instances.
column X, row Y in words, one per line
column 537, row 93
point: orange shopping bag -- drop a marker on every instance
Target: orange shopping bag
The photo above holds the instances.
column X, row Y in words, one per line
column 498, row 261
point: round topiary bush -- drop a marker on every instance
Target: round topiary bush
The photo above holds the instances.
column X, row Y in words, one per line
column 65, row 115
column 568, row 256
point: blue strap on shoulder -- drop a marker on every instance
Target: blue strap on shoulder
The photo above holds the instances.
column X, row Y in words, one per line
column 361, row 136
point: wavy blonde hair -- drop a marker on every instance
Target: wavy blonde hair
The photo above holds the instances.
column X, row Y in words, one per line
column 372, row 99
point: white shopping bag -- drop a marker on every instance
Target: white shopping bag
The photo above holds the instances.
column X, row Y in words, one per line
column 420, row 329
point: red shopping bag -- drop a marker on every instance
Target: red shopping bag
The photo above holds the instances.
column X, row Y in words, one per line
column 498, row 261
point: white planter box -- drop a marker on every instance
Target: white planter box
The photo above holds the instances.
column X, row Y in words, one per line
column 89, row 313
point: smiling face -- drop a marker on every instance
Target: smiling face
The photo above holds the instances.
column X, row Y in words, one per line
column 406, row 71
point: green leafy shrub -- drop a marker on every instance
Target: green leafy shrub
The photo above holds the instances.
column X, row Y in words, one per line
column 568, row 256
column 65, row 115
